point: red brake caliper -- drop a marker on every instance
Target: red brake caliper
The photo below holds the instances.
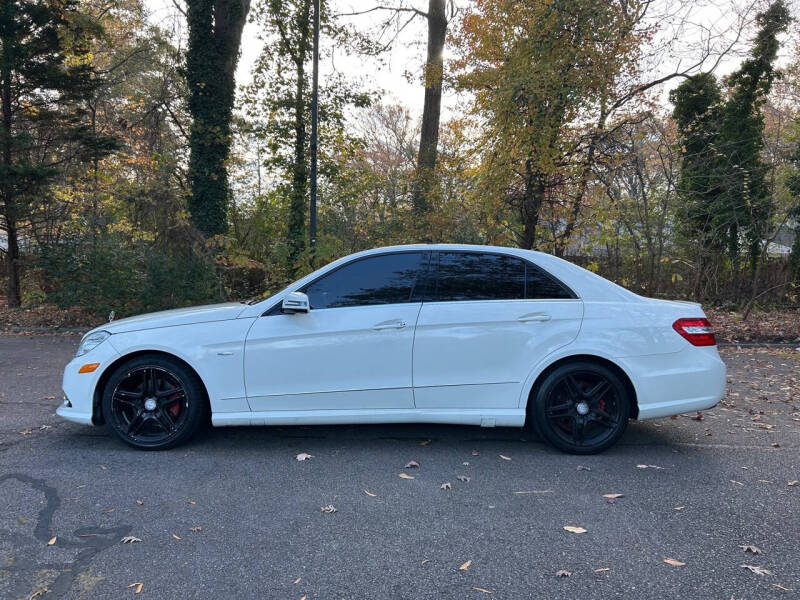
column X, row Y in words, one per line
column 175, row 407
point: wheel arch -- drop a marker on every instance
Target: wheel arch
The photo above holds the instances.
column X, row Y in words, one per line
column 623, row 375
column 97, row 405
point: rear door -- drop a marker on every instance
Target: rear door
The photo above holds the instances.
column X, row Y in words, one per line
column 489, row 319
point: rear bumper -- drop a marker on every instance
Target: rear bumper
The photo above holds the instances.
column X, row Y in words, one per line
column 669, row 384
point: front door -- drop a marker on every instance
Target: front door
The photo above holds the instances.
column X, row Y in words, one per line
column 352, row 350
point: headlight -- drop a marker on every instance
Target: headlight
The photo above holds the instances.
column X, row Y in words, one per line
column 91, row 341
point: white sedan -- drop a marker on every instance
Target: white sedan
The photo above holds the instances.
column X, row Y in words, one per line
column 471, row 335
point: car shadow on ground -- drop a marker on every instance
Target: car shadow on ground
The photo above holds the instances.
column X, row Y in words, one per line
column 231, row 438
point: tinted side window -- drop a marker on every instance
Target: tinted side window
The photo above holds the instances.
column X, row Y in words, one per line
column 540, row 286
column 387, row 279
column 474, row 276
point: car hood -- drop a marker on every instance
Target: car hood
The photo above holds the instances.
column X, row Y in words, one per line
column 177, row 316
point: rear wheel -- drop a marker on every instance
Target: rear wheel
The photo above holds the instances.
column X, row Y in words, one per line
column 581, row 407
column 154, row 402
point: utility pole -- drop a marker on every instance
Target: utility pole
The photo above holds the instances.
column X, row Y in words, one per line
column 314, row 119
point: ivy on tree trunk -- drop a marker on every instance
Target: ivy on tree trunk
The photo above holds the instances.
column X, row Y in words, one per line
column 215, row 32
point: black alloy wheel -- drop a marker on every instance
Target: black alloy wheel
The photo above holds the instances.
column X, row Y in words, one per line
column 154, row 402
column 581, row 408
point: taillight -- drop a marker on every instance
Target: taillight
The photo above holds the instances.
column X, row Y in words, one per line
column 698, row 332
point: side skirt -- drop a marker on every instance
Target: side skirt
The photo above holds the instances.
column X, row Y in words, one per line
column 497, row 418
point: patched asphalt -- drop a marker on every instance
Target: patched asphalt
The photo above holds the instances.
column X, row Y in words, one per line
column 232, row 514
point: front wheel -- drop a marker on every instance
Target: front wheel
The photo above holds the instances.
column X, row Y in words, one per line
column 154, row 402
column 581, row 408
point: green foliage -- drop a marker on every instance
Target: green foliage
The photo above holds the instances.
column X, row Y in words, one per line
column 45, row 72
column 278, row 102
column 118, row 274
column 723, row 171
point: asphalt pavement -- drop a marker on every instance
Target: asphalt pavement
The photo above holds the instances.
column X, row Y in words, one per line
column 233, row 514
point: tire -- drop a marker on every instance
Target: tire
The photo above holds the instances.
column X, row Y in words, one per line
column 581, row 407
column 154, row 402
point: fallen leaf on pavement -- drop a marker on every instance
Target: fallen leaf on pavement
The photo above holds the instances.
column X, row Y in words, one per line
column 504, row 457
column 109, row 511
column 446, row 485
column 370, row 494
column 563, row 573
column 138, row 587
column 463, row 478
column 303, row 456
column 672, row 561
column 752, row 549
column 405, row 476
column 613, row 496
column 412, row 464
column 757, row 570
column 177, row 537
column 129, row 539
column 573, row 529
column 296, row 581
column 52, row 541
column 465, row 566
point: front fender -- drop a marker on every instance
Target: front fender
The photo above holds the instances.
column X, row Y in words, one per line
column 214, row 350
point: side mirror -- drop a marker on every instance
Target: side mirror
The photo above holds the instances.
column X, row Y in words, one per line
column 295, row 302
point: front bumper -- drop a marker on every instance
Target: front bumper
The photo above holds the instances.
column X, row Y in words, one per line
column 79, row 388
column 680, row 382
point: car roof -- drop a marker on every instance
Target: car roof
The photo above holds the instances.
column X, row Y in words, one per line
column 586, row 285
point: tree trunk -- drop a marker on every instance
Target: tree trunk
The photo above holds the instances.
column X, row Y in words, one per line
column 425, row 177
column 215, row 30
column 12, row 261
column 297, row 200
column 531, row 206
column 9, row 212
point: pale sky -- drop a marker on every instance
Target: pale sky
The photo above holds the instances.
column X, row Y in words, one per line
column 699, row 18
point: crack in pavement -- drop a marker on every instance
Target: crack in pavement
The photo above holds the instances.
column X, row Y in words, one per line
column 86, row 548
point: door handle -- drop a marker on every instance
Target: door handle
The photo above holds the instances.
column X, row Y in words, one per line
column 534, row 318
column 390, row 325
